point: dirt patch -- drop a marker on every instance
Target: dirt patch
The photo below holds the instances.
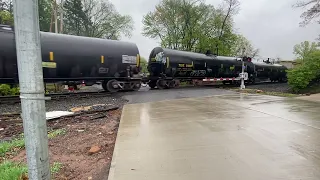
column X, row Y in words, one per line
column 97, row 130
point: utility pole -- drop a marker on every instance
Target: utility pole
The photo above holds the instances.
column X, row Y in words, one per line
column 28, row 47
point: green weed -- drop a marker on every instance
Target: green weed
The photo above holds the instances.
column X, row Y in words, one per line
column 13, row 145
column 12, row 171
column 56, row 133
column 55, row 168
column 18, row 143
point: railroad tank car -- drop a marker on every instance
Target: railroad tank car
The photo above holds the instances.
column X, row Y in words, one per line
column 167, row 67
column 265, row 71
column 76, row 59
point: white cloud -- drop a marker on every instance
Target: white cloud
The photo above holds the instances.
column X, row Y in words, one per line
column 271, row 25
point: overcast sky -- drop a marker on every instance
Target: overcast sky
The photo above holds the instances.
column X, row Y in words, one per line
column 271, row 25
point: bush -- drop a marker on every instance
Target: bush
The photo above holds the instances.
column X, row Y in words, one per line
column 299, row 78
column 6, row 90
column 308, row 71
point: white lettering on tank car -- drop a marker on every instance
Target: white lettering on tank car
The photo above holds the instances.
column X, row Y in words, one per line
column 129, row 59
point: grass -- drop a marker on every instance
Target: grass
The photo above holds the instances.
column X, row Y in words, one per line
column 18, row 143
column 14, row 145
column 12, row 171
column 15, row 171
column 56, row 133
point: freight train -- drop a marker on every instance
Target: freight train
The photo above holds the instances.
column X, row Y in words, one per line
column 72, row 60
column 168, row 67
column 75, row 59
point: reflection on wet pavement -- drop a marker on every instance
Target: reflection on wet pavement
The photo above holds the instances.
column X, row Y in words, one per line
column 236, row 136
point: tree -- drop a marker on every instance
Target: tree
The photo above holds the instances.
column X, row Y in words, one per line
column 45, row 7
column 174, row 23
column 143, row 65
column 74, row 17
column 190, row 25
column 95, row 18
column 243, row 47
column 6, row 12
column 232, row 9
column 313, row 11
column 304, row 75
column 6, row 18
column 304, row 49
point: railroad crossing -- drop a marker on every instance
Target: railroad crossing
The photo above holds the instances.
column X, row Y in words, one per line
column 224, row 137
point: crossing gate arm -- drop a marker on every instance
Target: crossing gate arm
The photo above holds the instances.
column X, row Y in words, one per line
column 245, row 75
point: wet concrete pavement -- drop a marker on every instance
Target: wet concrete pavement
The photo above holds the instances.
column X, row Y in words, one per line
column 147, row 95
column 227, row 137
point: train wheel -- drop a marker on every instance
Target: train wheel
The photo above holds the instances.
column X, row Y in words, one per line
column 152, row 84
column 161, row 84
column 136, row 86
column 177, row 82
column 174, row 83
column 104, row 85
column 112, row 86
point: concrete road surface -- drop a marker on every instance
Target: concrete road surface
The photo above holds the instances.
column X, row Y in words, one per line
column 227, row 137
column 147, row 95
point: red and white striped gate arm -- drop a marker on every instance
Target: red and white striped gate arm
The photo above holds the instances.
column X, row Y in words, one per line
column 220, row 79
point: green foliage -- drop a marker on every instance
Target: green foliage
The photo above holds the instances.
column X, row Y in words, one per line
column 15, row 144
column 192, row 25
column 242, row 43
column 304, row 49
column 301, row 76
column 12, row 171
column 6, row 90
column 45, row 8
column 143, row 65
column 6, row 17
column 56, row 133
column 55, row 168
column 6, row 12
column 18, row 143
column 95, row 18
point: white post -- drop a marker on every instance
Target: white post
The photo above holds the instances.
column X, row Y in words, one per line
column 242, row 76
column 28, row 47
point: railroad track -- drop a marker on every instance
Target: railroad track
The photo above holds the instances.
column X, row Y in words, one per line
column 56, row 96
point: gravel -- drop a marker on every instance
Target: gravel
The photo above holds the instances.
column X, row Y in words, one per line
column 146, row 95
column 67, row 104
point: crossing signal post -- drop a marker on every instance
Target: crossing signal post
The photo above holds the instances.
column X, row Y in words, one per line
column 243, row 75
column 242, row 86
